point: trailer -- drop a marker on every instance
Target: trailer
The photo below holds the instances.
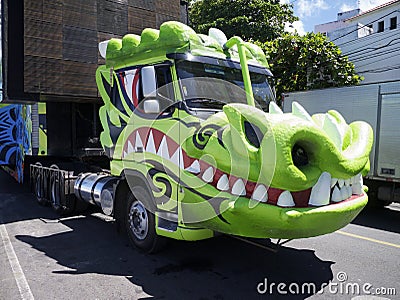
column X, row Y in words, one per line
column 379, row 105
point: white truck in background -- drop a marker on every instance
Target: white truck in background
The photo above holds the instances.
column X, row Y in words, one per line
column 379, row 105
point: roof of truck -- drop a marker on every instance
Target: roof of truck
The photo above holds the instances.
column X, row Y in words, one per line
column 173, row 37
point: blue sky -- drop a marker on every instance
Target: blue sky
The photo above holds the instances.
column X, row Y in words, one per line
column 313, row 12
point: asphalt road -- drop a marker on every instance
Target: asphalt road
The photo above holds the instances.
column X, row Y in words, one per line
column 83, row 257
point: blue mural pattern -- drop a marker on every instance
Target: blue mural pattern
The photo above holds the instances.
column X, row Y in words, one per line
column 15, row 127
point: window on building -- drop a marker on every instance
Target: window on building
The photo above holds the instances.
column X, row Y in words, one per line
column 393, row 23
column 381, row 26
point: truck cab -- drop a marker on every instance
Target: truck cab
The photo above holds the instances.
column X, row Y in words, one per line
column 161, row 106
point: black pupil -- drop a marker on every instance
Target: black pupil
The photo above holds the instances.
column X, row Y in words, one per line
column 299, row 156
column 253, row 134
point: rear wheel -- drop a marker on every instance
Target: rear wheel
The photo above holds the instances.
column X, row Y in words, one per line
column 61, row 203
column 40, row 189
column 140, row 222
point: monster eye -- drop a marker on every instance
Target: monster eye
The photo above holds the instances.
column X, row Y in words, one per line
column 299, row 156
column 253, row 134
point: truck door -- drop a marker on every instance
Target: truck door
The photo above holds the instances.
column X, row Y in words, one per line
column 160, row 135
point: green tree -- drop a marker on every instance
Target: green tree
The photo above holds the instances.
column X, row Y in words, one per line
column 308, row 62
column 257, row 20
column 297, row 62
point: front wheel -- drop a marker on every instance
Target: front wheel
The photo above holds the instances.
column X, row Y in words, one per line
column 140, row 222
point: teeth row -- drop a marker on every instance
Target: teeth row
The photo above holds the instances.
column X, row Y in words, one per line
column 163, row 151
column 325, row 190
column 238, row 188
column 321, row 193
column 333, row 189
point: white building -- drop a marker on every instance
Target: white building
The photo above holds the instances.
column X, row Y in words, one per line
column 371, row 40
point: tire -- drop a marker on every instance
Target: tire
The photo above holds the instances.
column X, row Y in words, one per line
column 61, row 204
column 140, row 223
column 40, row 190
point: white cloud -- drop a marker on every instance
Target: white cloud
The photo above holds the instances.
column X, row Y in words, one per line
column 296, row 26
column 368, row 4
column 306, row 8
column 347, row 7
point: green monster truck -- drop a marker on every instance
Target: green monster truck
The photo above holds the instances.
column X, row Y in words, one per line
column 200, row 147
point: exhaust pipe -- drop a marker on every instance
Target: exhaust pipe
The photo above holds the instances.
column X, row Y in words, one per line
column 96, row 189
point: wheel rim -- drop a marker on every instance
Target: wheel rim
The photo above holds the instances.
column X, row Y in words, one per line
column 39, row 194
column 55, row 194
column 138, row 220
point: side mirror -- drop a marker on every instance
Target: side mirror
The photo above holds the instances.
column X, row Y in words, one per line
column 149, row 86
column 151, row 106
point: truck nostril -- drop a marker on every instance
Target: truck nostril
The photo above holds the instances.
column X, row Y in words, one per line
column 299, row 156
column 253, row 134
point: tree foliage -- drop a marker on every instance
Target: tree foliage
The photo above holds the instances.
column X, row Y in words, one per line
column 308, row 62
column 297, row 62
column 257, row 20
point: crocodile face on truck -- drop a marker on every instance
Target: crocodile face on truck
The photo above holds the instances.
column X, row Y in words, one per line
column 191, row 126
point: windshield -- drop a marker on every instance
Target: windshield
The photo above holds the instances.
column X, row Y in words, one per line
column 214, row 94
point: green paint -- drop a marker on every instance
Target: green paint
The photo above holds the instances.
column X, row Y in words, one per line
column 237, row 41
column 293, row 153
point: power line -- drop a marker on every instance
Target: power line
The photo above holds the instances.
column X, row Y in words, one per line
column 373, row 52
column 382, row 70
column 378, row 61
column 365, row 25
column 371, row 55
column 372, row 48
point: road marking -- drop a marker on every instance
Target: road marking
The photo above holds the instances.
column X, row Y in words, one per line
column 22, row 283
column 368, row 239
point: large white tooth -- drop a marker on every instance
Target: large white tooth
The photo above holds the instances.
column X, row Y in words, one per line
column 163, row 149
column 358, row 179
column 124, row 154
column 336, row 196
column 177, row 158
column 341, row 182
column 357, row 189
column 274, row 108
column 321, row 191
column 352, row 180
column 285, row 200
column 343, row 193
column 223, row 183
column 348, row 191
column 260, row 193
column 194, row 167
column 347, row 182
column 151, row 147
column 208, row 175
column 138, row 142
column 299, row 111
column 130, row 147
column 333, row 182
column 238, row 188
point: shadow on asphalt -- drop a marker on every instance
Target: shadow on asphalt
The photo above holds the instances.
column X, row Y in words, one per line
column 219, row 268
column 383, row 218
